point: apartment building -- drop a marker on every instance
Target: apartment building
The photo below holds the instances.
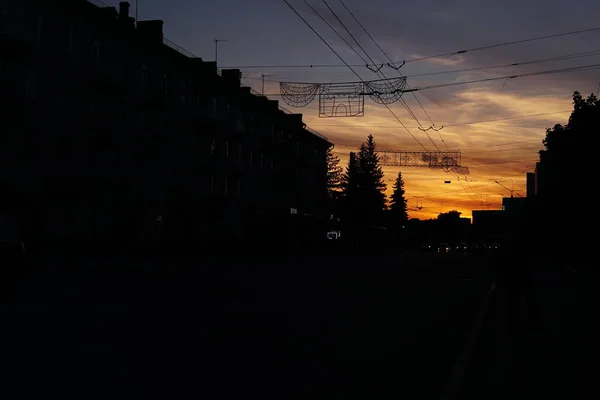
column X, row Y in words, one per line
column 113, row 133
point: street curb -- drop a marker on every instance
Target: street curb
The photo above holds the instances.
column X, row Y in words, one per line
column 462, row 362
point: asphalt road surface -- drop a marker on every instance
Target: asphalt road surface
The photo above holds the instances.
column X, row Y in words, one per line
column 349, row 327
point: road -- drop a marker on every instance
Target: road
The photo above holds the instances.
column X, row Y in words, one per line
column 350, row 327
column 545, row 351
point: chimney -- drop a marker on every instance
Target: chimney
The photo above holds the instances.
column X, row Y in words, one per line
column 124, row 10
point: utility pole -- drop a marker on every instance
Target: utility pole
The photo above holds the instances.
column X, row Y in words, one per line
column 217, row 49
column 136, row 13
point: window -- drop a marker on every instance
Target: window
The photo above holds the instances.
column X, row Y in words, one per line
column 240, row 152
column 226, row 184
column 213, row 145
column 70, row 40
column 262, row 160
column 226, row 149
column 239, row 187
column 250, row 153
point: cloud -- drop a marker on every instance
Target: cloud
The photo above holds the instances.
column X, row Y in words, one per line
column 498, row 124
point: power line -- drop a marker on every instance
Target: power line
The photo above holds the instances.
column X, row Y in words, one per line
column 461, row 123
column 509, row 43
column 391, row 61
column 472, row 69
column 349, row 67
column 474, row 186
column 505, row 77
column 402, row 99
column 377, row 72
column 320, row 37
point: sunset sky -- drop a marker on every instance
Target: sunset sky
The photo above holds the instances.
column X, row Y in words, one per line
column 497, row 125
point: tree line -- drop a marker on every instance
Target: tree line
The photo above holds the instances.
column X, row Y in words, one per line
column 357, row 192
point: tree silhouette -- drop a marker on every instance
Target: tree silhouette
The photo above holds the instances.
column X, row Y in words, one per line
column 350, row 185
column 363, row 188
column 371, row 180
column 334, row 174
column 450, row 216
column 567, row 143
column 567, row 164
column 398, row 207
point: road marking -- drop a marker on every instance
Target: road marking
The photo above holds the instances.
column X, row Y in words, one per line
column 460, row 366
column 570, row 269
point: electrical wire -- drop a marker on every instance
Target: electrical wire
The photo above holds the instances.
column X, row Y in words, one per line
column 442, row 55
column 392, row 62
column 588, row 67
column 473, row 69
column 486, row 121
column 402, row 99
column 351, row 69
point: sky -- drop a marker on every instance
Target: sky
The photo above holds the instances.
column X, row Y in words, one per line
column 497, row 125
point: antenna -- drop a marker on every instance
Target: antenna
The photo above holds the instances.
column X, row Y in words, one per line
column 217, row 48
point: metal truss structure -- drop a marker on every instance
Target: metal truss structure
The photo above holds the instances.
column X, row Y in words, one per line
column 449, row 161
column 345, row 99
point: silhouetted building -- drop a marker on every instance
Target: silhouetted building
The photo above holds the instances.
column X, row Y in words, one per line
column 530, row 184
column 489, row 225
column 112, row 132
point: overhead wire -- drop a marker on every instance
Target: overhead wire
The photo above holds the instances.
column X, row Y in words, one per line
column 351, row 69
column 461, row 70
column 587, row 67
column 392, row 62
column 402, row 99
column 441, row 55
column 377, row 72
column 593, row 66
column 372, row 62
column 464, row 123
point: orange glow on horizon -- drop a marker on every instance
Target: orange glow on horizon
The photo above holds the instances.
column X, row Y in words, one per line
column 499, row 135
